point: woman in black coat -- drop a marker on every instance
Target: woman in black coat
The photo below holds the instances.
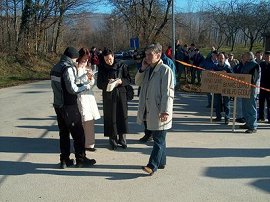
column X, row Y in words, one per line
column 115, row 102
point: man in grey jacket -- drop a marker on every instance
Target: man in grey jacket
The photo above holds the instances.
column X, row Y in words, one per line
column 65, row 90
column 155, row 103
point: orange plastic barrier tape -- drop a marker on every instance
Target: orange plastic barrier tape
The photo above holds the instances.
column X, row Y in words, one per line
column 223, row 75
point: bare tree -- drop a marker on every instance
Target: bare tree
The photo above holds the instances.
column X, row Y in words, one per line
column 254, row 18
column 145, row 18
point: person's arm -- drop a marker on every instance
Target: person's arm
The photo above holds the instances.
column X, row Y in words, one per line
column 257, row 74
column 70, row 82
column 102, row 80
column 141, row 73
column 82, row 76
column 167, row 96
column 125, row 78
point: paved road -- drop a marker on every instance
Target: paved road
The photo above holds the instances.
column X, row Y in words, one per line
column 206, row 162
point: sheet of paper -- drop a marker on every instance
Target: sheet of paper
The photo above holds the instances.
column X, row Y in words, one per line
column 111, row 85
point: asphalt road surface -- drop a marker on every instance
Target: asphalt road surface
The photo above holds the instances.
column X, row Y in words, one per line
column 205, row 161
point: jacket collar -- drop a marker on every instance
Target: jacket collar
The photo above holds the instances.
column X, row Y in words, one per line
column 157, row 67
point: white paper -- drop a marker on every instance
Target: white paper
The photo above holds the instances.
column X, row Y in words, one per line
column 111, row 85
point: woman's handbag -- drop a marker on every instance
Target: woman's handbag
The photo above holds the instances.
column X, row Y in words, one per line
column 130, row 92
column 129, row 88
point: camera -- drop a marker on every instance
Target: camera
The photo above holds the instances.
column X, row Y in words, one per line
column 139, row 55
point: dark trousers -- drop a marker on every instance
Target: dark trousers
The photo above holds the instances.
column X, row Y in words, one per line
column 69, row 122
column 264, row 96
column 222, row 102
column 147, row 132
column 195, row 73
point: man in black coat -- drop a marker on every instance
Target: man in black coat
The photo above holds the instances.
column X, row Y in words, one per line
column 265, row 83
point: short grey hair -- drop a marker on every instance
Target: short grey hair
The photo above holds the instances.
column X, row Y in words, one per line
column 156, row 48
column 249, row 55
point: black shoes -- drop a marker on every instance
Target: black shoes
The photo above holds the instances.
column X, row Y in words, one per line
column 240, row 120
column 261, row 120
column 146, row 138
column 82, row 162
column 90, row 149
column 85, row 162
column 122, row 141
column 217, row 119
column 113, row 143
column 66, row 163
column 243, row 127
column 161, row 167
column 251, row 131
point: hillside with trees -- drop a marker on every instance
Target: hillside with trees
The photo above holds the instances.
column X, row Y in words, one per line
column 34, row 33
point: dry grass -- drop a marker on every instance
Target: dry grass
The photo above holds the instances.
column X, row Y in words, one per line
column 15, row 70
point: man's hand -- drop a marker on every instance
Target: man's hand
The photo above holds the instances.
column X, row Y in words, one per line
column 90, row 75
column 144, row 65
column 163, row 116
column 119, row 82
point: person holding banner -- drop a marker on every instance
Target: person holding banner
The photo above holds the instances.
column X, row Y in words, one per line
column 209, row 64
column 219, row 100
column 249, row 104
column 239, row 114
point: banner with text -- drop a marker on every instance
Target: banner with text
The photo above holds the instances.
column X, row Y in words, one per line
column 211, row 83
column 225, row 84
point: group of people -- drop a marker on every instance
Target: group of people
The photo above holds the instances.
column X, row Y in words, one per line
column 259, row 69
column 72, row 80
column 256, row 65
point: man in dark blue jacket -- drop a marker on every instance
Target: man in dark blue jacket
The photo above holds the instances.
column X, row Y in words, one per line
column 209, row 64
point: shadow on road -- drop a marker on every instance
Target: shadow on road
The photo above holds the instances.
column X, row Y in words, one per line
column 23, row 168
column 236, row 172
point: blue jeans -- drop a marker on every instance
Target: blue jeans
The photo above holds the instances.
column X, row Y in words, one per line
column 158, row 154
column 250, row 111
column 220, row 102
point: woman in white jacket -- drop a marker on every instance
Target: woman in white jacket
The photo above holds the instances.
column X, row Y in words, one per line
column 86, row 100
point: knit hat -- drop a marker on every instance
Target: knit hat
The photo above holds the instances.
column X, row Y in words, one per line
column 71, row 52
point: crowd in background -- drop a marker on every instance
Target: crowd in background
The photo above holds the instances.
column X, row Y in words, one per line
column 249, row 111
